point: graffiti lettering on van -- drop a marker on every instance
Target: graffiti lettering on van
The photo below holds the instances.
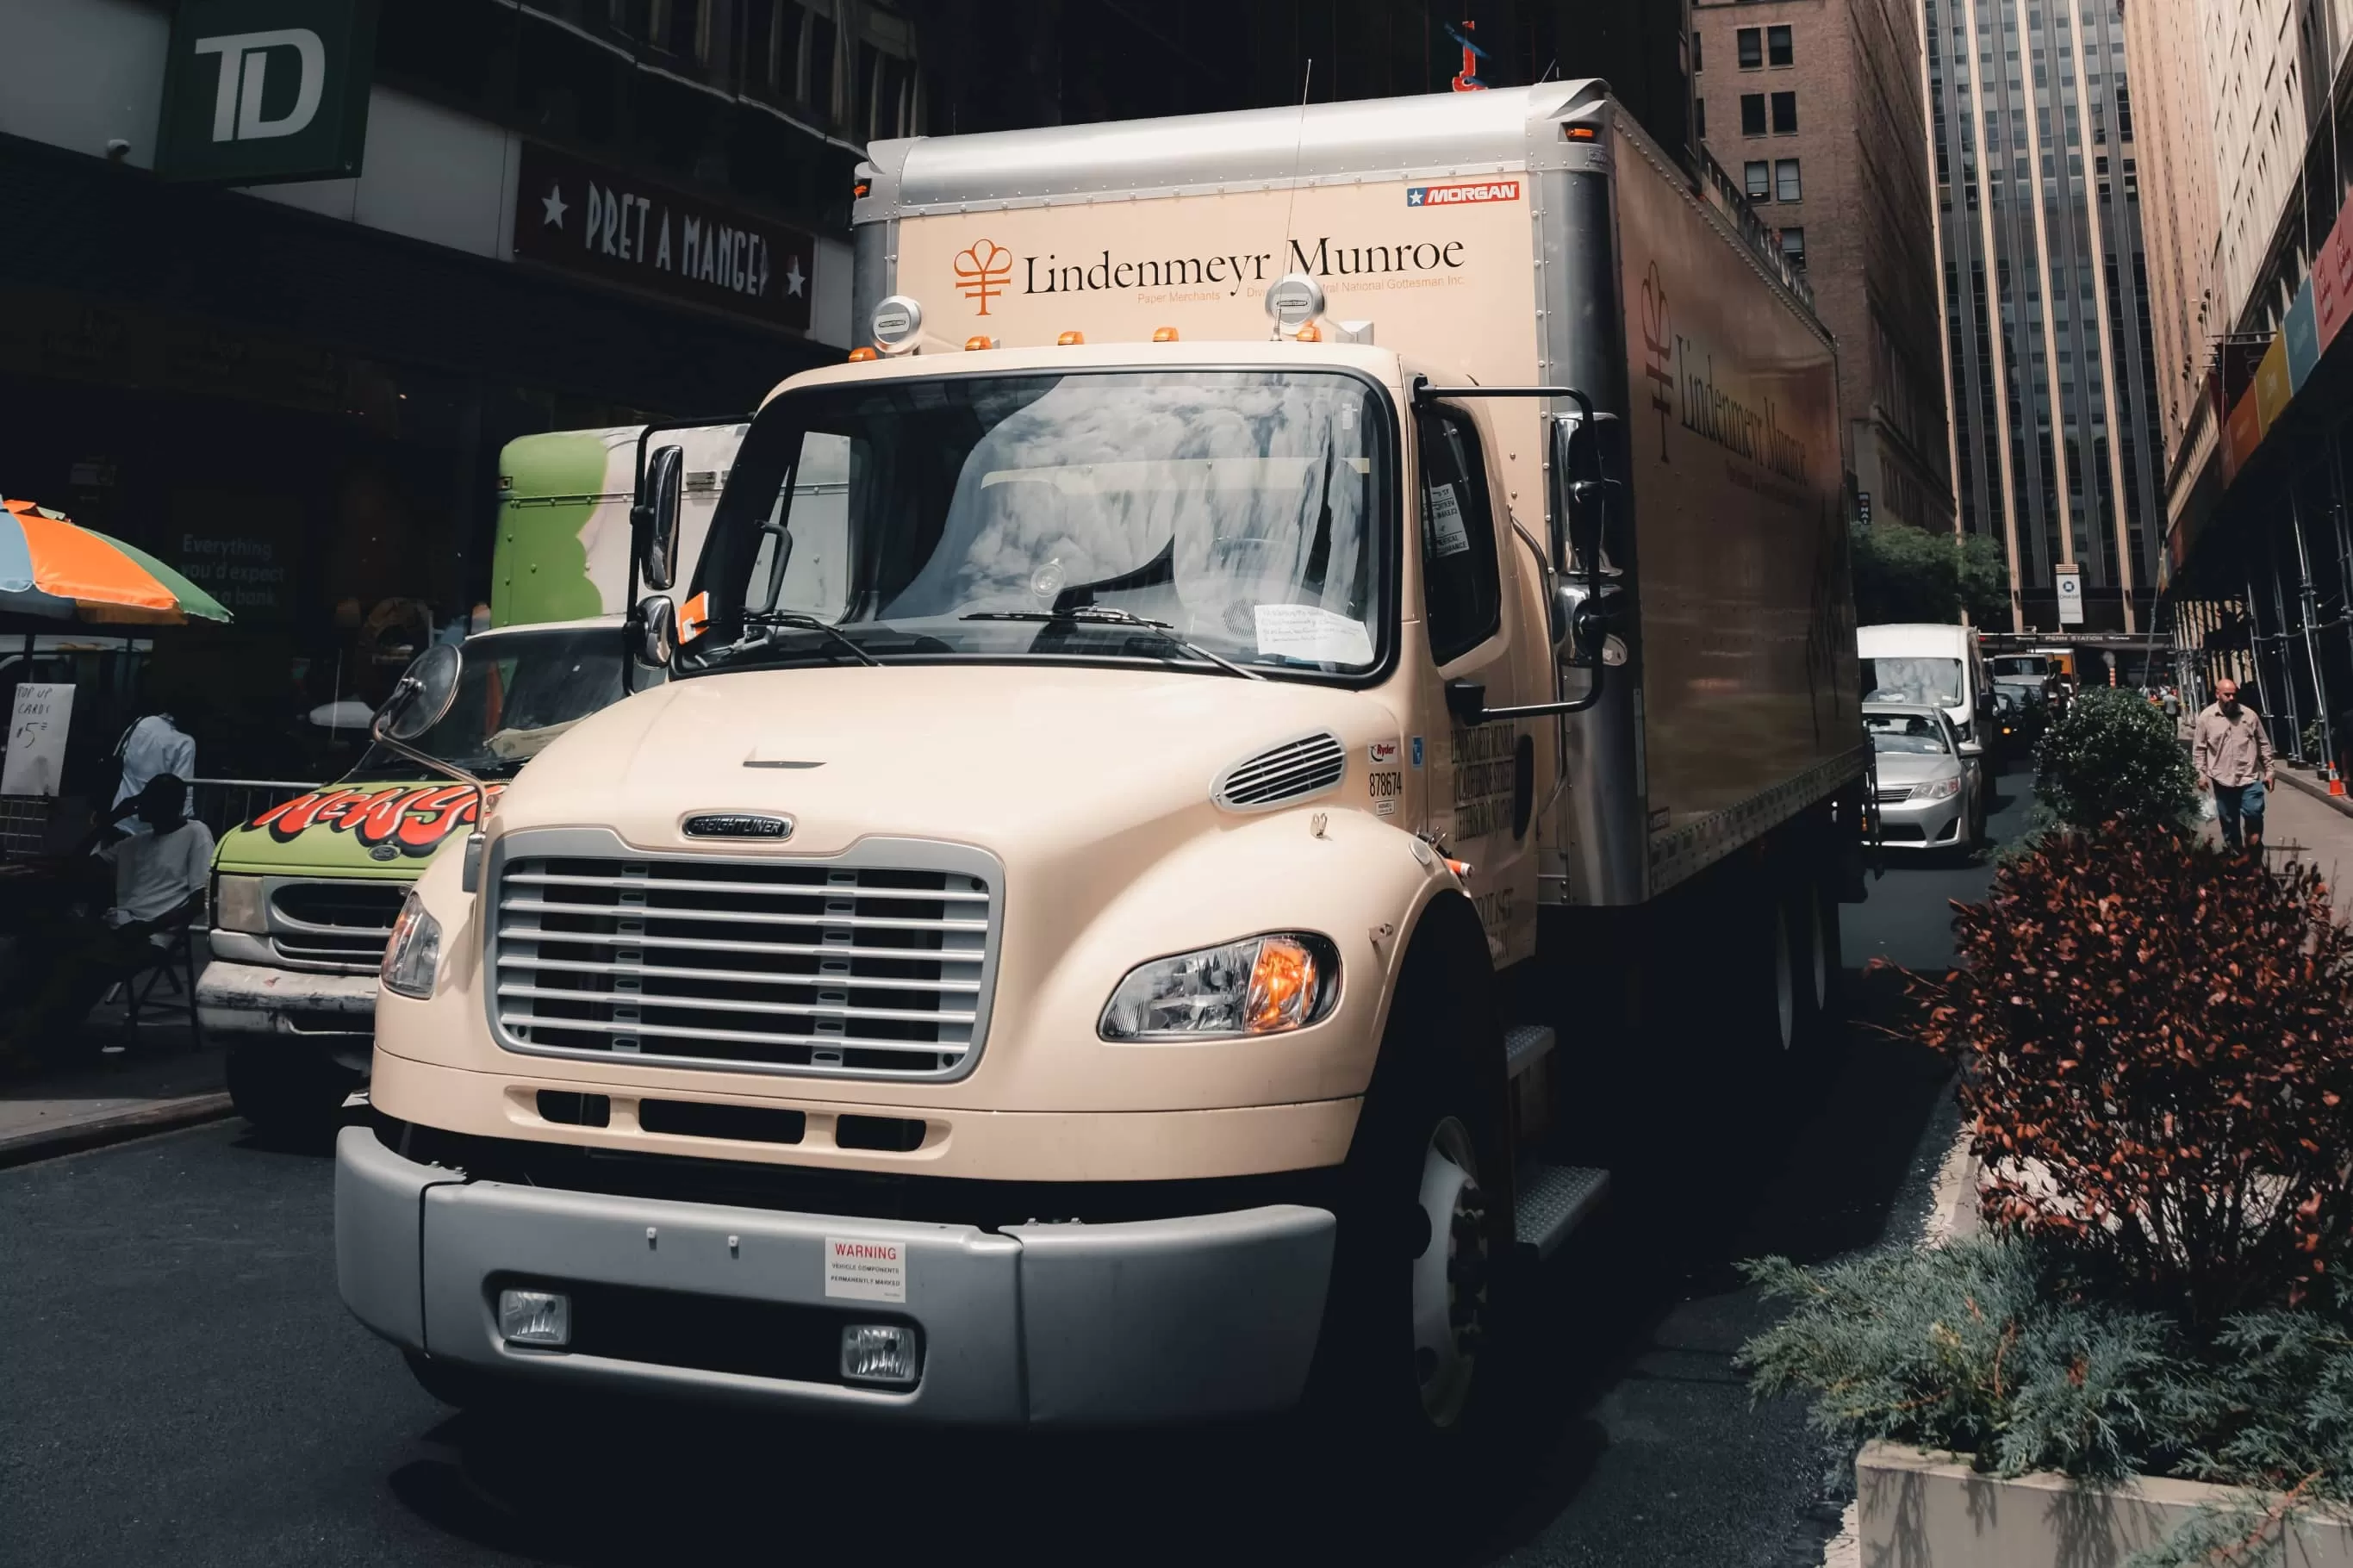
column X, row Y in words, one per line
column 412, row 818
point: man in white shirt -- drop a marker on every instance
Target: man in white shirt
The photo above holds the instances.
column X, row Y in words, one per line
column 159, row 883
column 154, row 746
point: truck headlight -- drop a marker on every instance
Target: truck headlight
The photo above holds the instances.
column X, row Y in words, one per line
column 1259, row 985
column 413, row 957
column 238, row 905
column 1936, row 789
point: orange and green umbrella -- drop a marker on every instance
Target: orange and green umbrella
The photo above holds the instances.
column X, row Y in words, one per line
column 51, row 569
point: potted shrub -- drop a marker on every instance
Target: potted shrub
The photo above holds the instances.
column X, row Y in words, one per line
column 2156, row 1058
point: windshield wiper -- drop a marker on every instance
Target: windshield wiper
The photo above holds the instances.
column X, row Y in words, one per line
column 795, row 620
column 1111, row 615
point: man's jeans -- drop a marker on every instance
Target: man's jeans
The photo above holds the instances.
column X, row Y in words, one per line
column 2238, row 805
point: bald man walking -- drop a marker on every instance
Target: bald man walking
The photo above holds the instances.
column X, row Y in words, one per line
column 2233, row 752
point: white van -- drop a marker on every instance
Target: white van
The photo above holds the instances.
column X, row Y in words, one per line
column 1930, row 665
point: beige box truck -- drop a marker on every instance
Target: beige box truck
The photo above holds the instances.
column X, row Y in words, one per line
column 1042, row 957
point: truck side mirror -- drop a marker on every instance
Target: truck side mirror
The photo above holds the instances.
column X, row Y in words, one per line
column 654, row 518
column 657, row 627
column 427, row 690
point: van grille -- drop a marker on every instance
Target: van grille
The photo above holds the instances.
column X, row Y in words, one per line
column 763, row 965
column 1289, row 772
column 339, row 924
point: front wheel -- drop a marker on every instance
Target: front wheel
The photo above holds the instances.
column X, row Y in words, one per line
column 1419, row 1273
column 287, row 1091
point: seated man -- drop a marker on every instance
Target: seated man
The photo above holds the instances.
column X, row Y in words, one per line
column 159, row 881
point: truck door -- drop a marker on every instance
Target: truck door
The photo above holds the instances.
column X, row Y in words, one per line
column 1482, row 787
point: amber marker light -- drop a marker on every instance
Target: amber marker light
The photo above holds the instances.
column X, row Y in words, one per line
column 1308, row 333
column 1067, row 339
column 977, row 342
column 1164, row 334
column 1284, row 985
column 863, row 353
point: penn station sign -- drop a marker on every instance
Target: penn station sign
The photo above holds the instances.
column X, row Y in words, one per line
column 260, row 91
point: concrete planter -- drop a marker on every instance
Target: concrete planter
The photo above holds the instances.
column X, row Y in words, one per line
column 1920, row 1510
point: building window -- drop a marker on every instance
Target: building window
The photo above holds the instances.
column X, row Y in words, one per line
column 1699, row 117
column 1752, row 114
column 1752, row 48
column 1759, row 180
column 1696, row 53
column 1793, row 248
column 1785, row 113
column 1778, row 49
column 1786, row 184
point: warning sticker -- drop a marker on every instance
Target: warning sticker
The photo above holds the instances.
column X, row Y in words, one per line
column 865, row 1270
column 1447, row 534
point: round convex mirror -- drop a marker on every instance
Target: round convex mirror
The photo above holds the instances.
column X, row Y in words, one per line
column 427, row 689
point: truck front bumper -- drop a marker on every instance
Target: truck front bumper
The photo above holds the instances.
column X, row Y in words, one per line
column 1074, row 1324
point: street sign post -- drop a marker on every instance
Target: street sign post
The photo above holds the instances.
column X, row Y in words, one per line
column 257, row 91
column 2071, row 594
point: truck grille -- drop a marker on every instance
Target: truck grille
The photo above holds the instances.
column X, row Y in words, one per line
column 794, row 967
column 334, row 924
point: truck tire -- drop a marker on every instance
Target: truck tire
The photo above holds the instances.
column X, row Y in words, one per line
column 1813, row 906
column 285, row 1091
column 1407, row 1369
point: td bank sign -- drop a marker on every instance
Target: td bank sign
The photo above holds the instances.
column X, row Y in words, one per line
column 262, row 90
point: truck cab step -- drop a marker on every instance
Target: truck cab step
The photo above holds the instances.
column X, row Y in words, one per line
column 1524, row 1044
column 1554, row 1201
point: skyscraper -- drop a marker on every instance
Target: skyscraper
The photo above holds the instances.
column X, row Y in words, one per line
column 2055, row 413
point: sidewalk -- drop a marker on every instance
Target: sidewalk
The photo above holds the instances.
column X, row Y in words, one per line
column 2302, row 822
column 153, row 1082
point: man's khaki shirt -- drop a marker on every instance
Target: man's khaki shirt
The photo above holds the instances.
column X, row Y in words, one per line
column 2232, row 751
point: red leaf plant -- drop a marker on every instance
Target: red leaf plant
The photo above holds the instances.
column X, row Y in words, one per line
column 2157, row 1056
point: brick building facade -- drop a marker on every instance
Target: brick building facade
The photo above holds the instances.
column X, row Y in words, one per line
column 1815, row 108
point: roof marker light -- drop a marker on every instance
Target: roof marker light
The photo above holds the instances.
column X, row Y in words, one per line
column 863, row 353
column 1069, row 339
column 1308, row 333
column 1164, row 334
column 979, row 341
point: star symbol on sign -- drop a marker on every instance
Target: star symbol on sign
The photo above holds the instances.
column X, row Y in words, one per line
column 552, row 205
column 793, row 277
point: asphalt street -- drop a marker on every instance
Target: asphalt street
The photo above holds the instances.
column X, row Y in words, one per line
column 178, row 1382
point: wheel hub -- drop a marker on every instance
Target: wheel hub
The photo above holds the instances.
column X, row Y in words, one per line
column 1449, row 1274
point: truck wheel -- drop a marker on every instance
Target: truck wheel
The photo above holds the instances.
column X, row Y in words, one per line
column 1814, row 906
column 1418, row 1275
column 286, row 1092
column 1786, row 957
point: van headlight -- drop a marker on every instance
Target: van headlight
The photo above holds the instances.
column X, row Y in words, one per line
column 1260, row 985
column 412, row 959
column 238, row 905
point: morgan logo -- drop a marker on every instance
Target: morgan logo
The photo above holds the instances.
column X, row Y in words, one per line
column 1461, row 192
column 406, row 820
column 982, row 268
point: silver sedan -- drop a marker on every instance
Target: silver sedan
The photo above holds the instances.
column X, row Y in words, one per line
column 1930, row 796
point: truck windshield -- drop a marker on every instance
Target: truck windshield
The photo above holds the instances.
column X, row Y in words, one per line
column 1935, row 682
column 519, row 691
column 984, row 516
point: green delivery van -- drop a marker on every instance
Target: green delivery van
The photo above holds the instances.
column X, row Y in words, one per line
column 304, row 895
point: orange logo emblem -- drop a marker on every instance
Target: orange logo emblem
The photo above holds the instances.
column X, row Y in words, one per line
column 982, row 269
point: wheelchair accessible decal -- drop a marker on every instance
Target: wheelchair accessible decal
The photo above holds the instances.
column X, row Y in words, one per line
column 412, row 820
